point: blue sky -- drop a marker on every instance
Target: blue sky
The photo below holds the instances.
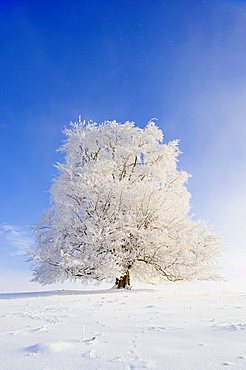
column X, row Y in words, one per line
column 182, row 62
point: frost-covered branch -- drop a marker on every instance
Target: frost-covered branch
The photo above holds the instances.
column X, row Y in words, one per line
column 119, row 200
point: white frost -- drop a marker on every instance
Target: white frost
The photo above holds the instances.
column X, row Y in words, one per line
column 120, row 202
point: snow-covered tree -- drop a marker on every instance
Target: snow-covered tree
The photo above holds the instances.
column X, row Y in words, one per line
column 119, row 203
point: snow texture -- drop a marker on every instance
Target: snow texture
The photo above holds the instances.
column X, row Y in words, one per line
column 177, row 327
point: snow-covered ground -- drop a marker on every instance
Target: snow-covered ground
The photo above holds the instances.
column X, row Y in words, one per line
column 177, row 327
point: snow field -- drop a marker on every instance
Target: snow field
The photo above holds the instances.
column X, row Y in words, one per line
column 179, row 327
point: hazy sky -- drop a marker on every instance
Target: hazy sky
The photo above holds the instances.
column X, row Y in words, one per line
column 183, row 62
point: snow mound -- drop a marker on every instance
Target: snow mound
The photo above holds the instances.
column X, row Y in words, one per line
column 49, row 347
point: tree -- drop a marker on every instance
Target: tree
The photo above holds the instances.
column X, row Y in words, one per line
column 119, row 203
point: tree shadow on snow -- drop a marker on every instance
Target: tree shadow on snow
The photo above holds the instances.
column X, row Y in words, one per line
column 51, row 293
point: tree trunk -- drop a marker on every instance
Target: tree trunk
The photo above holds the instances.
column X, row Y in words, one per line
column 123, row 281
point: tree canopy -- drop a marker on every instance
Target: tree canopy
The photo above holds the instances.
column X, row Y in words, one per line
column 119, row 202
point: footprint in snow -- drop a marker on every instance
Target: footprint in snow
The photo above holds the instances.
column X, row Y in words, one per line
column 116, row 359
column 90, row 340
column 160, row 328
column 230, row 327
column 150, row 306
column 90, row 355
column 139, row 364
column 40, row 329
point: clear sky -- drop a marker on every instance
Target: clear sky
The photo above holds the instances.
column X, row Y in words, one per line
column 183, row 62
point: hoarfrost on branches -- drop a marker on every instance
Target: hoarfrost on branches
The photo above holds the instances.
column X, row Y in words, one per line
column 120, row 202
